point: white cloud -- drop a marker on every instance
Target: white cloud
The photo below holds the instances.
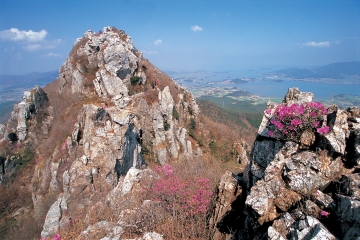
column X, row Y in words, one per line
column 150, row 52
column 33, row 47
column 196, row 28
column 316, row 44
column 42, row 45
column 50, row 54
column 14, row 34
column 158, row 42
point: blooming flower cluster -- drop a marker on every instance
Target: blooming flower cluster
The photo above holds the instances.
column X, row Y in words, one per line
column 289, row 121
column 177, row 194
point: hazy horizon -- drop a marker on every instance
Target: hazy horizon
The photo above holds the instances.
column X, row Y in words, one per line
column 37, row 36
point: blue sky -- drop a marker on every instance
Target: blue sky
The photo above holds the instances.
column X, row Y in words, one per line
column 185, row 35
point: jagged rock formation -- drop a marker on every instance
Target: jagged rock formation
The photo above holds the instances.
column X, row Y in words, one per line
column 21, row 119
column 31, row 118
column 108, row 111
column 297, row 189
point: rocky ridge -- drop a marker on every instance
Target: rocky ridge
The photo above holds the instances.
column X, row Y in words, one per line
column 124, row 111
column 305, row 188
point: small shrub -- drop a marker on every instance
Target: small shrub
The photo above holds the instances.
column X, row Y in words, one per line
column 166, row 125
column 25, row 157
column 213, row 146
column 200, row 141
column 175, row 114
column 144, row 150
column 190, row 110
column 192, row 133
column 192, row 124
column 134, row 80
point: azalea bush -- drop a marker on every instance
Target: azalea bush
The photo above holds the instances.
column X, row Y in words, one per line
column 290, row 121
column 180, row 195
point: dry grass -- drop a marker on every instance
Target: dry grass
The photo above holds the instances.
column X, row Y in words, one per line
column 161, row 79
column 172, row 224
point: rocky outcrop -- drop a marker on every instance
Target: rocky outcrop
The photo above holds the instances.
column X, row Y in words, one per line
column 126, row 118
column 30, row 122
column 300, row 188
column 226, row 209
column 34, row 102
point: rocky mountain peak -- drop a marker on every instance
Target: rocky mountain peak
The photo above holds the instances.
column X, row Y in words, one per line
column 94, row 130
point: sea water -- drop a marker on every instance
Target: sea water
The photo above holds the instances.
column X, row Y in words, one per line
column 259, row 84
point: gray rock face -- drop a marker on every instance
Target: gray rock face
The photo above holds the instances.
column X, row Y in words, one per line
column 30, row 121
column 106, row 61
column 295, row 96
column 339, row 131
column 292, row 188
column 33, row 102
column 228, row 190
column 52, row 221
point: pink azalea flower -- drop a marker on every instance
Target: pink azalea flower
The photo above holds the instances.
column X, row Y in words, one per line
column 270, row 133
column 316, row 123
column 313, row 114
column 296, row 122
column 279, row 125
column 268, row 111
column 57, row 237
column 324, row 213
column 323, row 130
column 300, row 109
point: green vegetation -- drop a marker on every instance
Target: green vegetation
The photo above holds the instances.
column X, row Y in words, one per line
column 246, row 106
column 192, row 127
column 175, row 114
column 237, row 113
column 190, row 110
column 192, row 124
column 24, row 157
column 166, row 125
column 134, row 80
column 144, row 150
column 201, row 142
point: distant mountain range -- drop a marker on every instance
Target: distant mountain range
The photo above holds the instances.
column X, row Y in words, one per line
column 12, row 87
column 28, row 80
column 335, row 71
